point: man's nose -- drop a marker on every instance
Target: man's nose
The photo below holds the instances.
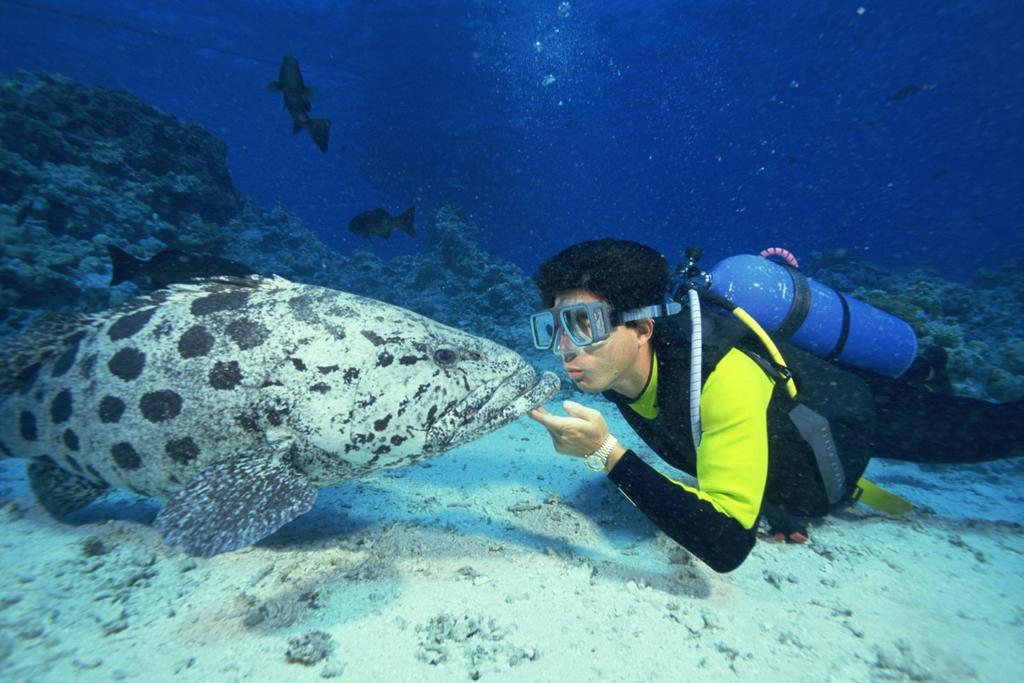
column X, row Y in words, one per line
column 566, row 349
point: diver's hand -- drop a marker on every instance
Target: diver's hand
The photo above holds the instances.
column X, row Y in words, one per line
column 581, row 432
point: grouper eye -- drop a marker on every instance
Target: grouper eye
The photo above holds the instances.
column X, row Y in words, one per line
column 445, row 357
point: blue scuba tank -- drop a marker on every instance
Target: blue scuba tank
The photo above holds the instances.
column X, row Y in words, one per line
column 815, row 317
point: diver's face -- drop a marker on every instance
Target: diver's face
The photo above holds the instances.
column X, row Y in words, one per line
column 604, row 365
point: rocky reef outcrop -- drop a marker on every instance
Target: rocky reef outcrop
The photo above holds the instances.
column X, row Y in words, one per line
column 977, row 322
column 84, row 167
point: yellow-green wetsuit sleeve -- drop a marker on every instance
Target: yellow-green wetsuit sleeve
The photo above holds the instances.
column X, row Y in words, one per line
column 715, row 521
column 732, row 460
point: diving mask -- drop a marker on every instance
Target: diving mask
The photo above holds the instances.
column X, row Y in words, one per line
column 588, row 323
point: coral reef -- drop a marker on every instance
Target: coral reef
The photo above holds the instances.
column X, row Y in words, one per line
column 83, row 168
column 977, row 322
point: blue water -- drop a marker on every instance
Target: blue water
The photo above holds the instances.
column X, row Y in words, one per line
column 893, row 130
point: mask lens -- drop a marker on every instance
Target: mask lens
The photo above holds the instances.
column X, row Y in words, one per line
column 576, row 321
column 544, row 329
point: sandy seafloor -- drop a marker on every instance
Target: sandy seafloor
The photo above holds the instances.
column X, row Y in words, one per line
column 502, row 560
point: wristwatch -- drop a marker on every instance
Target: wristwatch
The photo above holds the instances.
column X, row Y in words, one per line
column 598, row 460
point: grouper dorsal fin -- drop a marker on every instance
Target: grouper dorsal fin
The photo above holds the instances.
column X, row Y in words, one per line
column 235, row 502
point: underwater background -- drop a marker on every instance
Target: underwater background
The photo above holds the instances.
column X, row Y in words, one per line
column 880, row 143
column 872, row 141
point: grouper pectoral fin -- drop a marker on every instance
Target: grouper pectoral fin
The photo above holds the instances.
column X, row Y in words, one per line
column 60, row 492
column 235, row 502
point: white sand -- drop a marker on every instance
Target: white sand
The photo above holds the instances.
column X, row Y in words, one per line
column 505, row 561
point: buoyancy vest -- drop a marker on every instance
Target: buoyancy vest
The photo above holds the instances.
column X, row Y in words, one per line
column 795, row 481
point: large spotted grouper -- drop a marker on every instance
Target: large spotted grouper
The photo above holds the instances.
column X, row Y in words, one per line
column 236, row 399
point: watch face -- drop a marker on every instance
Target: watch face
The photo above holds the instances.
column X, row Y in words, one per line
column 595, row 462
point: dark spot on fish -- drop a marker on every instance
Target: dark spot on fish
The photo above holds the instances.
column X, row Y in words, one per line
column 162, row 330
column 381, row 450
column 385, row 359
column 92, row 470
column 71, row 439
column 60, row 407
column 67, row 359
column 276, row 417
column 271, row 383
column 111, row 409
column 382, row 424
column 431, row 415
column 125, row 456
column 182, row 451
column 301, row 307
column 173, row 479
column 128, row 325
column 249, row 424
column 299, row 365
column 27, row 426
column 127, row 363
column 247, row 334
column 374, row 338
column 196, row 342
column 46, row 460
column 221, row 301
column 327, row 369
column 398, row 440
column 350, row 375
column 320, row 388
column 409, row 360
column 74, row 463
column 87, row 365
column 160, row 406
column 225, row 376
column 27, row 377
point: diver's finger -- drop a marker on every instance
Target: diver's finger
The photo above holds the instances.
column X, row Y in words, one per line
column 580, row 411
column 541, row 415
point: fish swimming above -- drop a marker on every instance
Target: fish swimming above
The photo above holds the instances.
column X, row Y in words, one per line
column 237, row 399
column 170, row 266
column 297, row 101
column 381, row 223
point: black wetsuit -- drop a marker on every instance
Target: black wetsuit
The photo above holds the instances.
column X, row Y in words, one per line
column 902, row 422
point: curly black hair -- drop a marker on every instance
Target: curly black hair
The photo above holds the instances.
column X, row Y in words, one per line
column 625, row 274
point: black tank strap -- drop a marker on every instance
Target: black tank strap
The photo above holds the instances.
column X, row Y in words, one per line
column 800, row 306
column 844, row 333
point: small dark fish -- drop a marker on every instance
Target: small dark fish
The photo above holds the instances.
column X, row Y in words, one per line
column 380, row 222
column 296, row 101
column 170, row 266
column 905, row 92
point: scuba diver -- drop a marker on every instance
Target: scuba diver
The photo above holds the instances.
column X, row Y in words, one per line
column 770, row 430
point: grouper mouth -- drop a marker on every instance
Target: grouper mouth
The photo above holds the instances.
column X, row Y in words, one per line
column 492, row 407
